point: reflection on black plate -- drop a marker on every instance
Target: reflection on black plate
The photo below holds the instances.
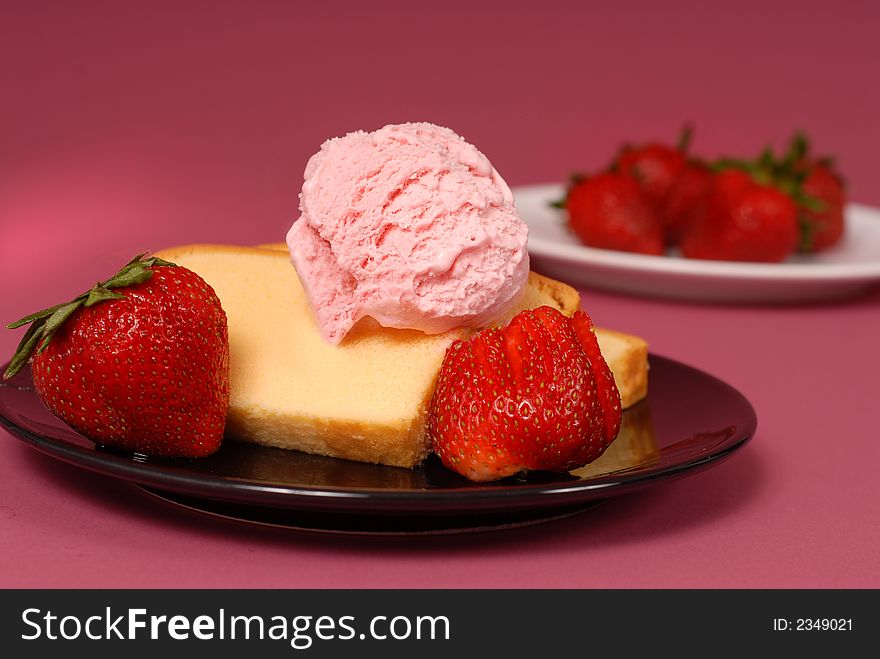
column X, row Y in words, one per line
column 689, row 421
column 375, row 525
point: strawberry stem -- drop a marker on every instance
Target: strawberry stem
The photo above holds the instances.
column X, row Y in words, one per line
column 685, row 138
column 798, row 149
column 573, row 180
column 786, row 173
column 44, row 324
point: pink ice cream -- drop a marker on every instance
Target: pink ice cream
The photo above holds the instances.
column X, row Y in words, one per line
column 410, row 225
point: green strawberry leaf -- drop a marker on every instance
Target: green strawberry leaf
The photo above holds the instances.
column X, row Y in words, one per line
column 100, row 294
column 45, row 313
column 128, row 276
column 155, row 260
column 56, row 320
column 25, row 347
column 573, row 180
column 732, row 163
column 44, row 324
column 808, row 230
column 798, row 149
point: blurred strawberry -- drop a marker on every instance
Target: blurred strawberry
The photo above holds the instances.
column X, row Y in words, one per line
column 822, row 225
column 819, row 191
column 744, row 220
column 674, row 185
column 686, row 200
column 813, row 183
column 610, row 211
column 656, row 166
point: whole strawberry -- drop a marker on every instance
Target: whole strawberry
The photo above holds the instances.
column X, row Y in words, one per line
column 674, row 184
column 140, row 362
column 819, row 192
column 822, row 222
column 656, row 166
column 536, row 395
column 610, row 211
column 743, row 221
column 815, row 186
column 685, row 201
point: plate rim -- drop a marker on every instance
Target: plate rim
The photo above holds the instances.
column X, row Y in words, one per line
column 650, row 264
column 471, row 524
column 451, row 500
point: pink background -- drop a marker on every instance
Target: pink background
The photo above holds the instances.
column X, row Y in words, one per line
column 130, row 126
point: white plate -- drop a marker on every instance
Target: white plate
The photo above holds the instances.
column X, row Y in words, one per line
column 849, row 268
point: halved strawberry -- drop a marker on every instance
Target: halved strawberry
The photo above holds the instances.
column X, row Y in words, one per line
column 609, row 396
column 536, row 395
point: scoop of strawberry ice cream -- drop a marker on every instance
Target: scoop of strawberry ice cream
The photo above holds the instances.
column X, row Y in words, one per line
column 409, row 225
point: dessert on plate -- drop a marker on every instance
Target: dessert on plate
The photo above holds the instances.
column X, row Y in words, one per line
column 365, row 398
column 408, row 242
column 407, row 266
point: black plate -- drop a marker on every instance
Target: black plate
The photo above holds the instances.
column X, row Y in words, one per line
column 689, row 421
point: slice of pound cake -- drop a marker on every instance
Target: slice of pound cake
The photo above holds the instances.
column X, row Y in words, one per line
column 364, row 399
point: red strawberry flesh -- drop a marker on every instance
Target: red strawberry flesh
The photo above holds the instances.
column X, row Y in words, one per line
column 610, row 211
column 145, row 370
